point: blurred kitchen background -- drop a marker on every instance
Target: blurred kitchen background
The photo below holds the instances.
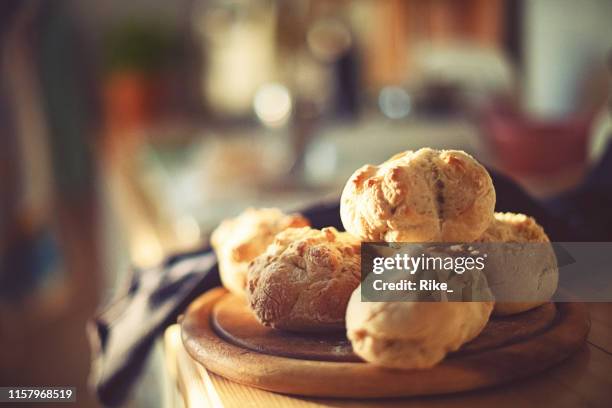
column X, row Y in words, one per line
column 130, row 128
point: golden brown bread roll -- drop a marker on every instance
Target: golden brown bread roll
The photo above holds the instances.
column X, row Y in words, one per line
column 512, row 227
column 525, row 269
column 304, row 279
column 419, row 196
column 239, row 240
column 412, row 334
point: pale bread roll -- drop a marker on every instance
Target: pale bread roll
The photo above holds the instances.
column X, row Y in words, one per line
column 518, row 271
column 419, row 196
column 411, row 335
column 239, row 240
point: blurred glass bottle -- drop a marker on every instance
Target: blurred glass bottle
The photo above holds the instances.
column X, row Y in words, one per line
column 237, row 37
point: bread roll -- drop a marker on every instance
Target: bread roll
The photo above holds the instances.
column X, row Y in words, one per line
column 525, row 269
column 239, row 240
column 304, row 280
column 512, row 227
column 411, row 335
column 419, row 196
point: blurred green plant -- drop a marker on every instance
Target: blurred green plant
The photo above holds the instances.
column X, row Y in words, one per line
column 140, row 45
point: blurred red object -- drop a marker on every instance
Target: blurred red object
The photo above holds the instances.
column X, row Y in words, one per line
column 132, row 100
column 524, row 145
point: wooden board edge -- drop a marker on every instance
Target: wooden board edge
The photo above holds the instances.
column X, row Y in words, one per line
column 353, row 380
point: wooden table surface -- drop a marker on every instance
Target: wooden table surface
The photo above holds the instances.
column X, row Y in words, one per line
column 585, row 379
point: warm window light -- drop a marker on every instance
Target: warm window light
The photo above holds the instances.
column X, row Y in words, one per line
column 273, row 104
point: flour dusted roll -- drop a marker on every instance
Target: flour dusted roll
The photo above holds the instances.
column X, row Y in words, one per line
column 419, row 196
column 411, row 335
column 522, row 270
column 512, row 227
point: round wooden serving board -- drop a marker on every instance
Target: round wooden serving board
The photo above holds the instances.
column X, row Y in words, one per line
column 219, row 331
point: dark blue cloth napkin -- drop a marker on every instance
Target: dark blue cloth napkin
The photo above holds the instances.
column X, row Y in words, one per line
column 122, row 335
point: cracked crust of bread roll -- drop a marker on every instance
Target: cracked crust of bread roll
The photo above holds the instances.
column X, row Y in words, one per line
column 409, row 335
column 304, row 280
column 531, row 273
column 237, row 241
column 419, row 196
column 512, row 227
